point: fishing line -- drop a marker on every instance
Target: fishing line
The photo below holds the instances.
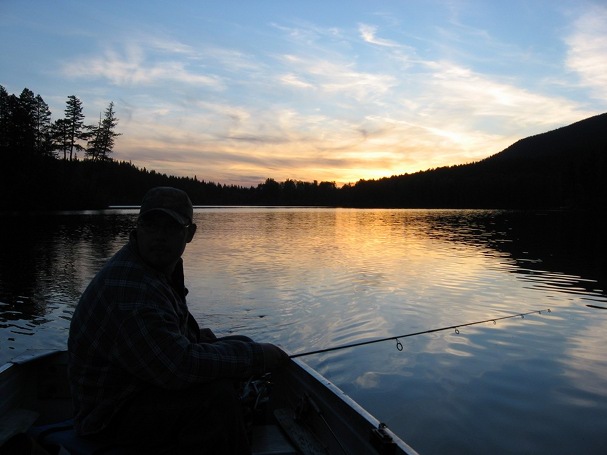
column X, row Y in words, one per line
column 399, row 345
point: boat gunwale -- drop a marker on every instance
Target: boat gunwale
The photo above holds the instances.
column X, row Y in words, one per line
column 357, row 408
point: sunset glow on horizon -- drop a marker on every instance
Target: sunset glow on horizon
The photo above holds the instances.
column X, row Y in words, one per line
column 235, row 92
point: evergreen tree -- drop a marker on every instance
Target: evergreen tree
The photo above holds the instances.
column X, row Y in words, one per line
column 42, row 134
column 24, row 118
column 93, row 145
column 60, row 135
column 4, row 120
column 101, row 141
column 74, row 118
column 13, row 129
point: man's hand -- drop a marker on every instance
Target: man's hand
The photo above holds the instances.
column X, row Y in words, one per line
column 273, row 356
column 207, row 335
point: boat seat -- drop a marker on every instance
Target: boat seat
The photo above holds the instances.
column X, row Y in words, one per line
column 270, row 440
column 267, row 440
column 61, row 437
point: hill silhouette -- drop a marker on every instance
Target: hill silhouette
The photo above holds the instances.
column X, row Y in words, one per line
column 561, row 168
column 565, row 167
column 586, row 137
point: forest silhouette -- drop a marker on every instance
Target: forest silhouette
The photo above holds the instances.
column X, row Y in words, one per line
column 40, row 170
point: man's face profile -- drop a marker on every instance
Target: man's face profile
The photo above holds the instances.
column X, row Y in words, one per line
column 162, row 240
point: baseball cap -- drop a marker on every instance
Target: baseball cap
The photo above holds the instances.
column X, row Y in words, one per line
column 172, row 201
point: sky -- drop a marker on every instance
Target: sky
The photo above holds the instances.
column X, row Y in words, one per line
column 235, row 92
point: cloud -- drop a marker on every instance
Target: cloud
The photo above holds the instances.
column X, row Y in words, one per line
column 294, row 80
column 457, row 88
column 587, row 52
column 336, row 78
column 136, row 66
column 367, row 33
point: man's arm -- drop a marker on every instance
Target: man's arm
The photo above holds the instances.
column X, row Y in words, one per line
column 151, row 347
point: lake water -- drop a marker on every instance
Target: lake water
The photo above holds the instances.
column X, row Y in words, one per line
column 313, row 278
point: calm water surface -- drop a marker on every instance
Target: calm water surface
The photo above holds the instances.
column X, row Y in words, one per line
column 309, row 279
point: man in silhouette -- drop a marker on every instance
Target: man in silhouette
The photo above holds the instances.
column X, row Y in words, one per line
column 142, row 372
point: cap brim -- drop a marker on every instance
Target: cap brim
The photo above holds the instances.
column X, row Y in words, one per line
column 176, row 216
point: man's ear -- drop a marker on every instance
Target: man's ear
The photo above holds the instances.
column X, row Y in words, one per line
column 191, row 232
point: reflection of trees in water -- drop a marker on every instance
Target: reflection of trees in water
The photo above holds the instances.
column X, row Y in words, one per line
column 542, row 243
column 50, row 258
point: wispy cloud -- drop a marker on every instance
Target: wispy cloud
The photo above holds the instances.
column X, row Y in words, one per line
column 134, row 65
column 295, row 81
column 587, row 53
column 337, row 77
column 368, row 34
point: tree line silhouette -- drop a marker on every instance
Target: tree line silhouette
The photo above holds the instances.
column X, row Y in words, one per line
column 67, row 164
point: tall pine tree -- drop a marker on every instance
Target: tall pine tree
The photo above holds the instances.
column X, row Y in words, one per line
column 24, row 118
column 60, row 136
column 101, row 141
column 4, row 120
column 42, row 134
column 75, row 124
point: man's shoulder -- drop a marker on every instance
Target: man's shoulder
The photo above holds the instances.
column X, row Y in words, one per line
column 127, row 270
column 124, row 260
column 124, row 266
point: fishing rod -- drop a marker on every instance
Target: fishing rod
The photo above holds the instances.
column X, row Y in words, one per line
column 399, row 345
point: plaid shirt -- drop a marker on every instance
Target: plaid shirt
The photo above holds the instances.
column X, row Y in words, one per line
column 132, row 330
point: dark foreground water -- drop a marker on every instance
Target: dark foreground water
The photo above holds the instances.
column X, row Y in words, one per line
column 314, row 278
